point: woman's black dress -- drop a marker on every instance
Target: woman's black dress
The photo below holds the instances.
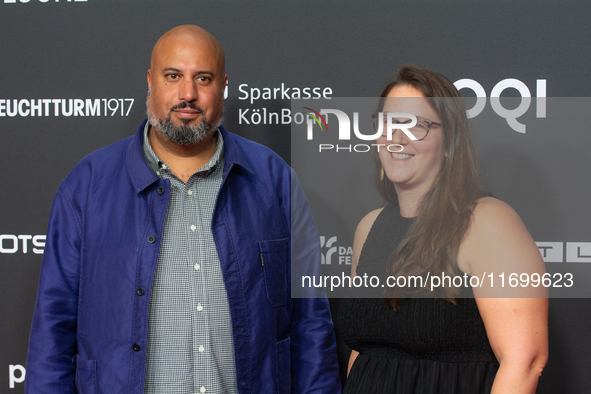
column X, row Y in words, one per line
column 426, row 346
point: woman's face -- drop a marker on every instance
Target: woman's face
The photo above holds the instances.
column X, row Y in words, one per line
column 417, row 166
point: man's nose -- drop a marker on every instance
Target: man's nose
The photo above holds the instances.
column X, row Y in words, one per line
column 188, row 91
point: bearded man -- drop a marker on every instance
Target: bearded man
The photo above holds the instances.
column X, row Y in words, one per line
column 167, row 266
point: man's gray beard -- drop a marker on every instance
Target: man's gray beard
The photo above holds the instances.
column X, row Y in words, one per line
column 185, row 134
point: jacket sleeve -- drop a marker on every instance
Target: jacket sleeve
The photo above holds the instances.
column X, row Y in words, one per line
column 52, row 343
column 313, row 347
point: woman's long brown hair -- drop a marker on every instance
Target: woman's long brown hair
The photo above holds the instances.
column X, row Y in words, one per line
column 431, row 244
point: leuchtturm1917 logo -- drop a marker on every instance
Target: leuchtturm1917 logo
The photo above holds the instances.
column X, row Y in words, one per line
column 66, row 107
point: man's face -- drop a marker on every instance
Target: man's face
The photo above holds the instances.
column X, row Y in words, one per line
column 186, row 80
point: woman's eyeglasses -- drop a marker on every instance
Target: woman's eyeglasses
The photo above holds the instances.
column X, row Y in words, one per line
column 420, row 130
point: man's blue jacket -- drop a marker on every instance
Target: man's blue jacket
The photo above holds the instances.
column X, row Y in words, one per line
column 90, row 327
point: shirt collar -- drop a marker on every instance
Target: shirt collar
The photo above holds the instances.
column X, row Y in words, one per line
column 142, row 175
column 160, row 168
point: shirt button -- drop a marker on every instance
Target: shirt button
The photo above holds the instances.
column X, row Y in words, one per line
column 199, row 308
column 151, row 239
column 197, row 266
column 160, row 190
column 190, row 192
column 193, row 227
column 136, row 347
column 202, row 389
column 201, row 349
column 139, row 291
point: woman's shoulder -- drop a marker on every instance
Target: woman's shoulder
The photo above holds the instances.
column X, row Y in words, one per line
column 492, row 219
column 496, row 233
column 491, row 203
column 369, row 219
column 364, row 227
column 361, row 233
column 492, row 212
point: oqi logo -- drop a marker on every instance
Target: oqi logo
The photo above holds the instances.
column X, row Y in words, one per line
column 344, row 133
column 345, row 254
column 10, row 243
column 510, row 115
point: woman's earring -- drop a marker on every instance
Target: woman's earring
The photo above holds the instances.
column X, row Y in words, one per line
column 382, row 175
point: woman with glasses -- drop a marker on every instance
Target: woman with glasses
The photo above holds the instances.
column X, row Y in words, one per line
column 438, row 222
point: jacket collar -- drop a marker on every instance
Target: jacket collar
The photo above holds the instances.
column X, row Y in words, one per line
column 233, row 153
column 142, row 175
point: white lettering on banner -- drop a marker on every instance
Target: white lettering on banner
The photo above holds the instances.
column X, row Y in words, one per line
column 12, row 378
column 576, row 252
column 9, row 243
column 361, row 148
column 275, row 116
column 510, row 115
column 345, row 125
column 262, row 116
column 66, row 107
column 282, row 93
column 552, row 252
column 44, row 1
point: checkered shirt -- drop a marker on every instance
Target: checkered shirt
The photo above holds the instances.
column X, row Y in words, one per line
column 190, row 346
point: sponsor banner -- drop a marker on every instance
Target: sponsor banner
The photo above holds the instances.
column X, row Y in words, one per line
column 66, row 107
column 12, row 243
column 259, row 104
column 16, row 375
column 565, row 252
column 509, row 113
column 332, row 253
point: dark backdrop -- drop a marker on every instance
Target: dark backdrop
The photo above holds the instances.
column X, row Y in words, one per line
column 78, row 53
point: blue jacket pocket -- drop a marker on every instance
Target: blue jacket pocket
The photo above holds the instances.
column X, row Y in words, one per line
column 85, row 380
column 274, row 258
